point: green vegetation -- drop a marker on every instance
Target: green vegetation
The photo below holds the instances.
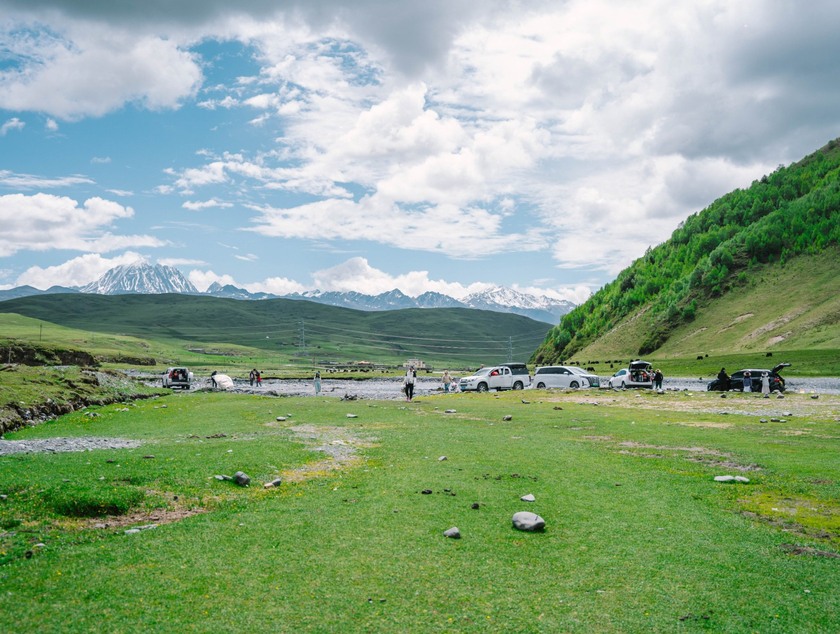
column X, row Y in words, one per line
column 791, row 215
column 638, row 537
column 201, row 331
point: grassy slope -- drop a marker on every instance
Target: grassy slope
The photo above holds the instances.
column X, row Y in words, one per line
column 791, row 307
column 639, row 537
column 451, row 336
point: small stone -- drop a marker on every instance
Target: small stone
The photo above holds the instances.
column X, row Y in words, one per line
column 528, row 498
column 4, row 497
column 132, row 531
column 450, row 411
column 352, row 416
column 453, row 533
column 274, row 483
column 148, row 457
column 742, row 479
column 786, row 414
column 723, row 395
column 223, row 477
column 527, row 521
column 557, row 407
column 725, row 478
column 526, row 402
column 815, row 396
column 241, row 479
column 475, row 506
column 508, row 417
column 442, row 458
column 426, row 491
column 775, row 420
column 280, row 419
column 763, row 420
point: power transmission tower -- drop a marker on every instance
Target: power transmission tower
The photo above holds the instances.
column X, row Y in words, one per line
column 302, row 339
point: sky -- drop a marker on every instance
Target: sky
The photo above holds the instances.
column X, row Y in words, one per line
column 425, row 145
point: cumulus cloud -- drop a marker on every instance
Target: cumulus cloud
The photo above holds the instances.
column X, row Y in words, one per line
column 45, row 222
column 90, row 71
column 76, row 272
column 356, row 274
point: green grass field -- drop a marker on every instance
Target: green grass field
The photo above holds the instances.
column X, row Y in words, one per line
column 639, row 537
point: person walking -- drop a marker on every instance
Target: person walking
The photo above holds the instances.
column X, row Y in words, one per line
column 317, row 383
column 447, row 381
column 408, row 382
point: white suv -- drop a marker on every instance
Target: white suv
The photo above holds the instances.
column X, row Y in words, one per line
column 562, row 376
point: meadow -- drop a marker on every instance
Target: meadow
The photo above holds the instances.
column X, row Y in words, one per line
column 639, row 537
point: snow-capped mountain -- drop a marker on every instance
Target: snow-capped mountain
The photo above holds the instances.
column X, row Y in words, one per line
column 140, row 278
column 499, row 299
column 502, row 299
column 158, row 278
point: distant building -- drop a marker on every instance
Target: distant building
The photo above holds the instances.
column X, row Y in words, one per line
column 417, row 363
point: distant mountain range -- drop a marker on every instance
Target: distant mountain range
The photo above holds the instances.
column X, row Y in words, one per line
column 144, row 278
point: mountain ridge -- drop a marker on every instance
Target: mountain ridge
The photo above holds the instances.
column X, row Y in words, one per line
column 144, row 278
column 728, row 249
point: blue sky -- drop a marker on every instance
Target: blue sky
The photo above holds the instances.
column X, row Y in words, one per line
column 443, row 145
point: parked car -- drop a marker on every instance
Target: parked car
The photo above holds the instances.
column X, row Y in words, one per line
column 594, row 379
column 178, row 377
column 512, row 376
column 736, row 381
column 550, row 376
column 638, row 374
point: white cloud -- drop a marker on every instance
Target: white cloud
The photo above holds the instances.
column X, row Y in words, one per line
column 30, row 181
column 93, row 69
column 12, row 124
column 76, row 272
column 356, row 274
column 45, row 222
column 205, row 204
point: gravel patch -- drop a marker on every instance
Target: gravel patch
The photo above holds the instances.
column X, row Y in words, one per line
column 58, row 445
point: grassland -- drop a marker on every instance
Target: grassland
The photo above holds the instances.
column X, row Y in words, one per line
column 639, row 537
column 281, row 332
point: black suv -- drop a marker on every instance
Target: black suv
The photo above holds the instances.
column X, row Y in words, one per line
column 736, row 381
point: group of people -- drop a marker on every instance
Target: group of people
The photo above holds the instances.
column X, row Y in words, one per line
column 255, row 377
column 746, row 383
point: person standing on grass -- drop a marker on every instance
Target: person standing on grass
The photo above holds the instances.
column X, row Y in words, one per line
column 658, row 377
column 447, row 381
column 317, row 383
column 408, row 381
column 765, row 384
column 747, row 381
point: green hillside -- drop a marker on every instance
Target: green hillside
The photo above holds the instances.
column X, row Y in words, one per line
column 185, row 327
column 756, row 270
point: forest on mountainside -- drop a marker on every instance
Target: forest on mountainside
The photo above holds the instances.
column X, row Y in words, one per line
column 795, row 210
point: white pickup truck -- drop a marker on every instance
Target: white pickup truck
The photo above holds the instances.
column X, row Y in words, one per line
column 497, row 377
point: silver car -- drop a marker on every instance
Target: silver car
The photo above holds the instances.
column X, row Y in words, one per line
column 550, row 376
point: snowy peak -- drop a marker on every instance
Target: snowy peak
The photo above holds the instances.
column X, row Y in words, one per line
column 140, row 278
column 503, row 299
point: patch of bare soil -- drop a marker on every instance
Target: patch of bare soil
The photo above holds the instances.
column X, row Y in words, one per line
column 793, row 549
column 156, row 516
column 338, row 444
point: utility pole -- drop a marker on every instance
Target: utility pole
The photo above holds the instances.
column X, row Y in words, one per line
column 302, row 341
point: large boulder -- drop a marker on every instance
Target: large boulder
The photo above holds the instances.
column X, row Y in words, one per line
column 527, row 521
